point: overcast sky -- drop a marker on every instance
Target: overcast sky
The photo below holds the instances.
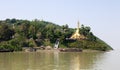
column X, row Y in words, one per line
column 103, row 16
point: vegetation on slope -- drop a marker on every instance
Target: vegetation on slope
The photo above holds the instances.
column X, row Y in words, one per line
column 16, row 34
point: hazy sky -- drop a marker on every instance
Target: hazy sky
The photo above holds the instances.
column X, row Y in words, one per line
column 103, row 16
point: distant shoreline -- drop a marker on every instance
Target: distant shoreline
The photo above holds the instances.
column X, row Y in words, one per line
column 61, row 50
column 39, row 49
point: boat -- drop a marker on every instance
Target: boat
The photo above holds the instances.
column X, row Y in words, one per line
column 70, row 49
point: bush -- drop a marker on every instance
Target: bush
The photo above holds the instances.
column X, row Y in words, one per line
column 9, row 46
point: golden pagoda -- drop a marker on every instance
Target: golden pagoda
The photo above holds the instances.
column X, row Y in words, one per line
column 77, row 35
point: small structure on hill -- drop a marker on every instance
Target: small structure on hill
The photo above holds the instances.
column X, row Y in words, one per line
column 77, row 34
column 56, row 44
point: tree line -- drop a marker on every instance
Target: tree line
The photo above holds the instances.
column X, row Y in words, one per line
column 16, row 34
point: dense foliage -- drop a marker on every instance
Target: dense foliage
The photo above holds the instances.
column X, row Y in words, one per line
column 16, row 34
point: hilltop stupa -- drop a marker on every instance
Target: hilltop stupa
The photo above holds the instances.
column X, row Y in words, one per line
column 77, row 35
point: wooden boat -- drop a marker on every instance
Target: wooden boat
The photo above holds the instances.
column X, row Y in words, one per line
column 70, row 50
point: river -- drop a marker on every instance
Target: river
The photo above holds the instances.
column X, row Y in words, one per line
column 60, row 61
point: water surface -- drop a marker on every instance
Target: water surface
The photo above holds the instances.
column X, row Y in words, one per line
column 60, row 61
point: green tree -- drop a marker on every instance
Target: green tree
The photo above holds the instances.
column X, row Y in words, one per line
column 24, row 29
column 6, row 33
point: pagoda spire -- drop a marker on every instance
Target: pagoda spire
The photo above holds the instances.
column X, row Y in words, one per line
column 78, row 25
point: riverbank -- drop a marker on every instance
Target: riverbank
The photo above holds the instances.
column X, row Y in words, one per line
column 50, row 49
column 58, row 50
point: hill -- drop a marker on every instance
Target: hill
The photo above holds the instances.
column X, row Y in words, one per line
column 16, row 33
